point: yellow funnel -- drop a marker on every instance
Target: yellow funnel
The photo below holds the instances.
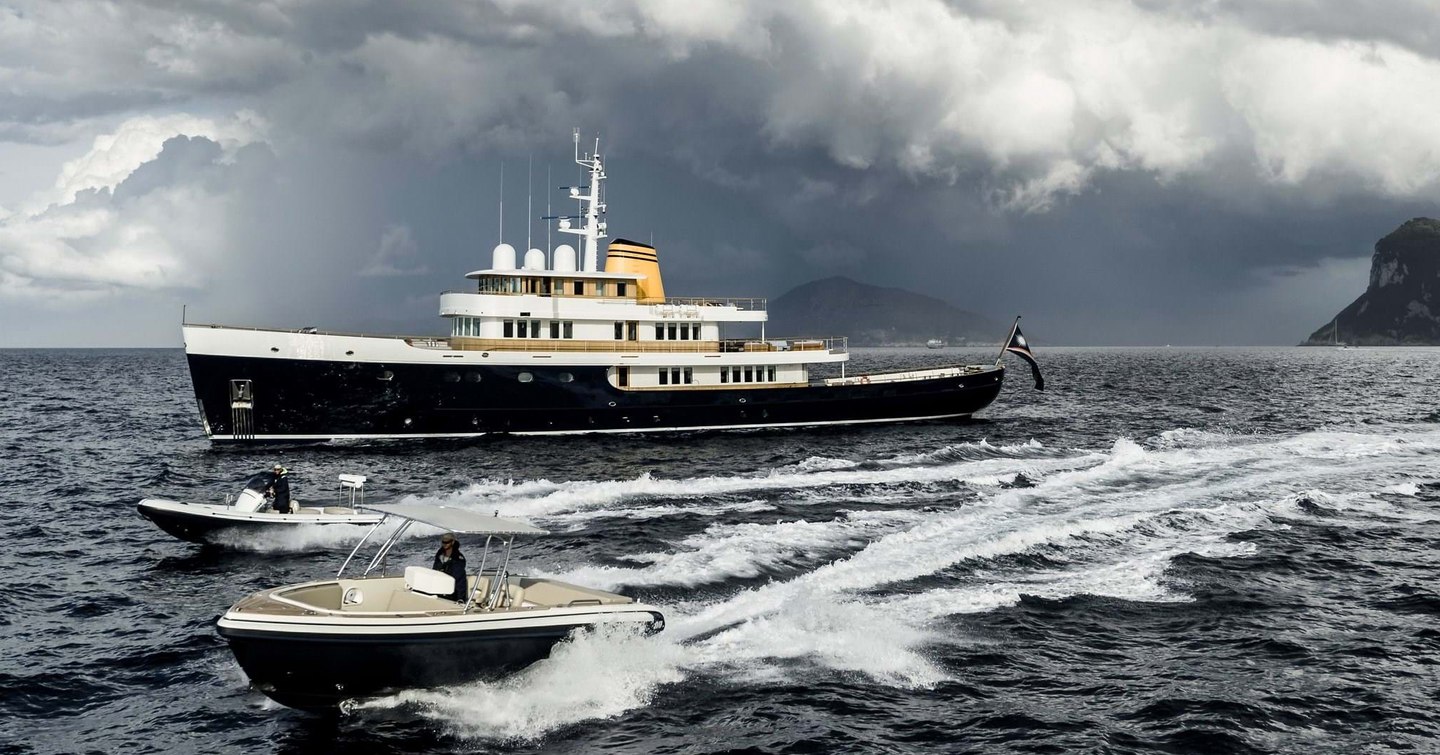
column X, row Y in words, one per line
column 624, row 256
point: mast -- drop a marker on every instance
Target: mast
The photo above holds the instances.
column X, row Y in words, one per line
column 592, row 207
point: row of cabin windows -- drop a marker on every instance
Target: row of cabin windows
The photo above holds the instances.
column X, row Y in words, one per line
column 469, row 327
column 675, row 374
column 684, row 331
column 686, row 375
column 532, row 329
column 764, row 374
column 547, row 286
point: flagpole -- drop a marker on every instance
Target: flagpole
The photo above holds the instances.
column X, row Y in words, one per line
column 1006, row 343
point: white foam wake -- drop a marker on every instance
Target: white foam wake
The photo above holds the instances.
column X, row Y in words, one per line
column 872, row 587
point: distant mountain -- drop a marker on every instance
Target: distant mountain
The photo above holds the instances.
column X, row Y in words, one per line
column 1401, row 307
column 875, row 316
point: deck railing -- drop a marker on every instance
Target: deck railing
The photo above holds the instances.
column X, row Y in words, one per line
column 838, row 345
column 743, row 304
column 833, row 345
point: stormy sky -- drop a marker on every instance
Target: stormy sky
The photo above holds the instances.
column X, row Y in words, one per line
column 1145, row 172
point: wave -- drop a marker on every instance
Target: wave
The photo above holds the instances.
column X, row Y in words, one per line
column 542, row 498
column 743, row 551
column 592, row 675
column 862, row 591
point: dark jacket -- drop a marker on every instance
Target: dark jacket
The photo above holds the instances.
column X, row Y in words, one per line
column 281, row 486
column 455, row 567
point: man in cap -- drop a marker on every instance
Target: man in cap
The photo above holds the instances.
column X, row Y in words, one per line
column 281, row 486
column 450, row 560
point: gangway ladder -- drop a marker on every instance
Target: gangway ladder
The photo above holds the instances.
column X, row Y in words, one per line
column 242, row 410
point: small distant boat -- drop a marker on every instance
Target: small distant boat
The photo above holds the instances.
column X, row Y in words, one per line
column 1335, row 335
column 934, row 343
column 319, row 644
column 251, row 511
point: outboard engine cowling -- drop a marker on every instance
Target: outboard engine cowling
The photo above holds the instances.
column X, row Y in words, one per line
column 249, row 500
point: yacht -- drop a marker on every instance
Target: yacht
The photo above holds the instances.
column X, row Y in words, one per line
column 556, row 343
column 250, row 511
column 318, row 645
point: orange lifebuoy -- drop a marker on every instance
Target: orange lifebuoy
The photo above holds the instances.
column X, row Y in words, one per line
column 864, row 379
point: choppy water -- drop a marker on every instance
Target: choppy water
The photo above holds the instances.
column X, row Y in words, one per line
column 1171, row 550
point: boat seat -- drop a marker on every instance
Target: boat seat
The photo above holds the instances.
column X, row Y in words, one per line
column 428, row 581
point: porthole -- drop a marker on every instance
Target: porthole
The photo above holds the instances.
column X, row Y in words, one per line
column 451, row 377
column 350, row 353
column 387, row 375
column 275, row 350
column 525, row 377
column 566, row 377
column 472, row 377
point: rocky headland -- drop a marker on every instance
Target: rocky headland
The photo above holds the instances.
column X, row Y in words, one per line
column 1401, row 306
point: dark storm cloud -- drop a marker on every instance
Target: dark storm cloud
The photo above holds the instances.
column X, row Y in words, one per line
column 1129, row 172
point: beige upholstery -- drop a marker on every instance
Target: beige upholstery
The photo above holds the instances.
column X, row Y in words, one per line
column 421, row 579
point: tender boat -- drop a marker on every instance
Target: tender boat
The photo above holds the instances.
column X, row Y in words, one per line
column 934, row 343
column 212, row 523
column 552, row 343
column 319, row 644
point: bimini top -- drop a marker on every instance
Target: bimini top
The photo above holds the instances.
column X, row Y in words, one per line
column 461, row 521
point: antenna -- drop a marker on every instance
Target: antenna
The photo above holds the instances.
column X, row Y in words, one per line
column 529, row 199
column 502, row 203
column 548, row 249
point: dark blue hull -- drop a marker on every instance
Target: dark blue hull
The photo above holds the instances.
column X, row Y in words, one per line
column 318, row 400
column 320, row 671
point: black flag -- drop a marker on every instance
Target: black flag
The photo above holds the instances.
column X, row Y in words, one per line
column 1018, row 345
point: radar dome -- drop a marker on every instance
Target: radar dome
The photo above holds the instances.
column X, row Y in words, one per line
column 534, row 260
column 503, row 258
column 565, row 258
